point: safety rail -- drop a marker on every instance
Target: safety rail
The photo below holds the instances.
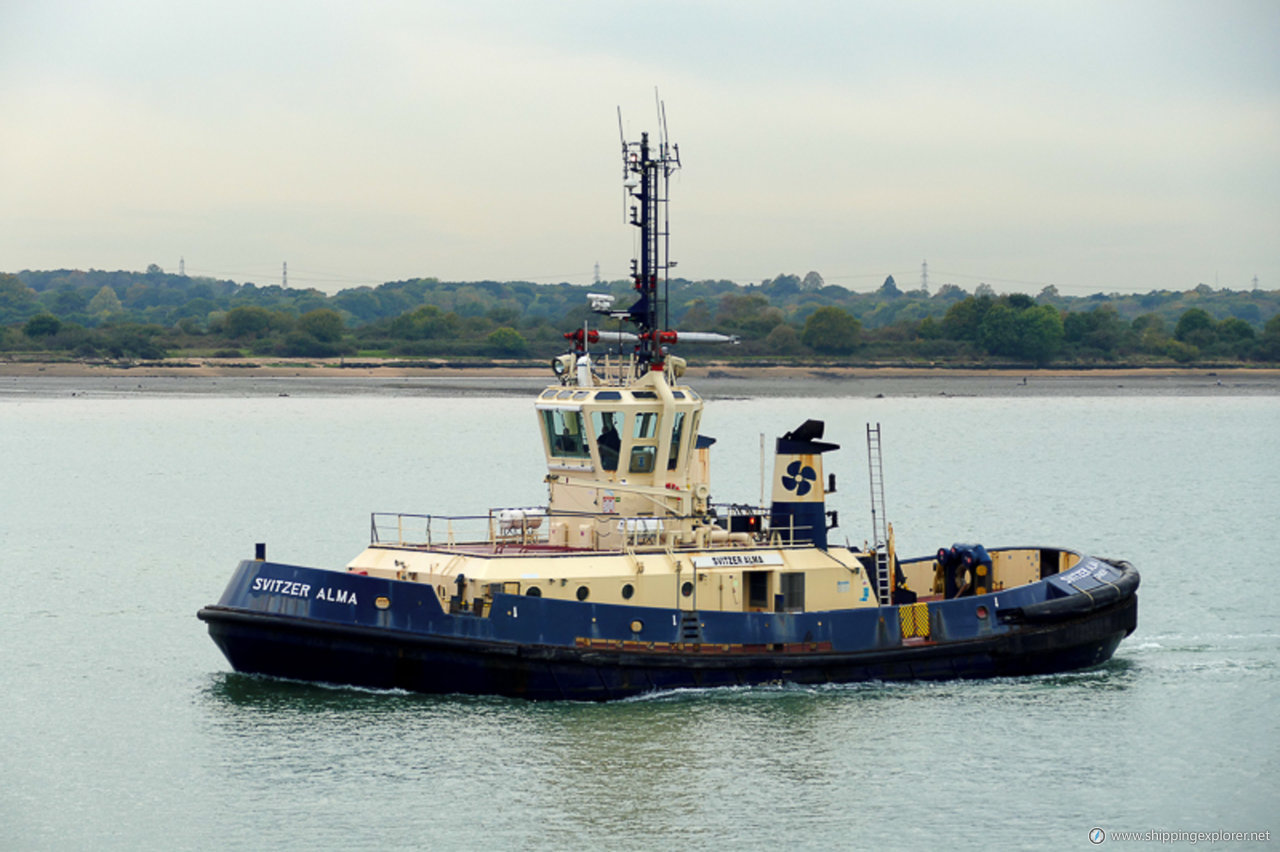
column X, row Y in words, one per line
column 524, row 526
column 730, row 525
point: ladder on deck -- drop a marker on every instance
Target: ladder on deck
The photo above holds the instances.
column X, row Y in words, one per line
column 690, row 627
column 879, row 523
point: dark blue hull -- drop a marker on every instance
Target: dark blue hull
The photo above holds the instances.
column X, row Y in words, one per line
column 302, row 623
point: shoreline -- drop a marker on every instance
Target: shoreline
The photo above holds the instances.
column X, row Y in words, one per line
column 328, row 378
column 389, row 368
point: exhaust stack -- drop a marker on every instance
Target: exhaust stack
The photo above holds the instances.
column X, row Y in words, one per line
column 799, row 499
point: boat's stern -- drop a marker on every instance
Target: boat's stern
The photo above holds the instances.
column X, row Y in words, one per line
column 1093, row 584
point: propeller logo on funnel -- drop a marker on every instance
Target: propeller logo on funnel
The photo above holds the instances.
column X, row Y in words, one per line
column 799, row 478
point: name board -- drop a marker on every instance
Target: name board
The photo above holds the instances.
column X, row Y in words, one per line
column 276, row 586
column 738, row 560
column 1087, row 569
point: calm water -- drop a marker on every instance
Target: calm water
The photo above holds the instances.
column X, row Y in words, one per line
column 124, row 728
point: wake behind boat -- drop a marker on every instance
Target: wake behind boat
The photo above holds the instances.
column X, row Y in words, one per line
column 633, row 578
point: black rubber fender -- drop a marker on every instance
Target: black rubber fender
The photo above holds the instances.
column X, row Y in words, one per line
column 1081, row 603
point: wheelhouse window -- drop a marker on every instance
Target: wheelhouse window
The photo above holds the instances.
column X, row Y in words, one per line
column 642, row 459
column 677, row 432
column 565, row 433
column 646, row 425
column 608, row 439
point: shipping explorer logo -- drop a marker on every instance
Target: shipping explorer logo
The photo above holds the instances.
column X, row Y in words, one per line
column 799, row 478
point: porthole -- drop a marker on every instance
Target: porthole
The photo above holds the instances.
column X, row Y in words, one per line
column 533, row 592
column 627, row 591
column 583, row 593
column 686, row 589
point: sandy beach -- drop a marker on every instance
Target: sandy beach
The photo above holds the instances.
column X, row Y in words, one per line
column 321, row 367
column 280, row 376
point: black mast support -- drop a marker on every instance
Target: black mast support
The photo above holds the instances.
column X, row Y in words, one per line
column 646, row 178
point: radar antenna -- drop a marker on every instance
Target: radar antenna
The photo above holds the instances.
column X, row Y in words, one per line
column 646, row 182
column 646, row 179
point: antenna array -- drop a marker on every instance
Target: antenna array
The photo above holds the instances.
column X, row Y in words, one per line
column 646, row 177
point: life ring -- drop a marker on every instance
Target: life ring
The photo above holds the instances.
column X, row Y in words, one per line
column 958, row 570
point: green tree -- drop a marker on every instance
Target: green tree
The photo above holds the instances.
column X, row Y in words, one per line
column 782, row 286
column 66, row 301
column 812, row 282
column 737, row 312
column 1234, row 329
column 503, row 314
column 322, row 324
column 949, row 294
column 1269, row 344
column 1195, row 327
column 424, row 323
column 16, row 298
column 507, row 341
column 300, row 344
column 1183, row 353
column 783, row 340
column 929, row 329
column 105, row 303
column 471, row 301
column 889, row 289
column 998, row 331
column 1148, row 323
column 1235, row 338
column 190, row 326
column 43, row 325
column 1033, row 333
column 1040, row 333
column 832, row 331
column 964, row 318
column 360, row 302
column 1152, row 337
column 1100, row 331
column 697, row 316
column 131, row 340
column 246, row 321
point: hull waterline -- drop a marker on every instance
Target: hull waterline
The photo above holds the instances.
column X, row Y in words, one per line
column 1064, row 634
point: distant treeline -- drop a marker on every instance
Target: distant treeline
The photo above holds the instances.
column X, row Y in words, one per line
column 151, row 314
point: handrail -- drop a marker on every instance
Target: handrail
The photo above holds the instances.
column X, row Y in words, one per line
column 524, row 526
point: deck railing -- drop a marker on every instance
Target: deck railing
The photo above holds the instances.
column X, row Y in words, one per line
column 733, row 525
column 523, row 526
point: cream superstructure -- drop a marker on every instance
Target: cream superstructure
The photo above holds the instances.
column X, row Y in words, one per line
column 629, row 517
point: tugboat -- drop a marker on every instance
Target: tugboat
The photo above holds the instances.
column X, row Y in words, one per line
column 632, row 579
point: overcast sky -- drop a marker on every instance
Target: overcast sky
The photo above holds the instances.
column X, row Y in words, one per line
column 1125, row 145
